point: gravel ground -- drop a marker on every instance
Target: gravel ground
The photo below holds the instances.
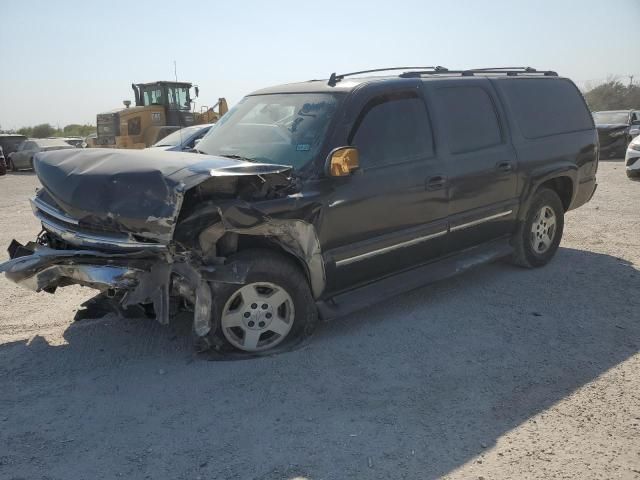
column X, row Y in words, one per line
column 499, row 373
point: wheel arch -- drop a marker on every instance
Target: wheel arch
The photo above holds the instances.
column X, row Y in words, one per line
column 563, row 186
column 257, row 242
column 561, row 179
column 296, row 239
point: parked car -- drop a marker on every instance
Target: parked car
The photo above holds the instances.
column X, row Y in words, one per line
column 10, row 143
column 90, row 140
column 318, row 198
column 615, row 131
column 23, row 157
column 183, row 139
column 632, row 158
column 3, row 163
column 77, row 142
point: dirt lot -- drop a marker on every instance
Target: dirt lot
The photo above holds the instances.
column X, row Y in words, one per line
column 499, row 373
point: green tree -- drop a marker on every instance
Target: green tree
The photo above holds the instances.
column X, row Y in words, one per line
column 76, row 130
column 43, row 130
column 26, row 131
column 613, row 95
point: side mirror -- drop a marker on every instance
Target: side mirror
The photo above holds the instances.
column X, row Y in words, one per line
column 197, row 91
column 342, row 161
column 196, row 142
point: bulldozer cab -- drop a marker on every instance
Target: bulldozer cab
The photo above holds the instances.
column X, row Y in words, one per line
column 160, row 108
column 173, row 95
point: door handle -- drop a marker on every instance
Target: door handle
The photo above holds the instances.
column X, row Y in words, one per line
column 504, row 166
column 437, row 182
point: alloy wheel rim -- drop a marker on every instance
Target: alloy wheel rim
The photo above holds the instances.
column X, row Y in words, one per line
column 543, row 230
column 257, row 316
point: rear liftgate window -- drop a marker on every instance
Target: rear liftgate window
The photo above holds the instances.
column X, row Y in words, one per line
column 392, row 129
column 544, row 107
column 470, row 117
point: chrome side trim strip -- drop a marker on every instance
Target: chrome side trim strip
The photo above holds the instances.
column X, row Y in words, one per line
column 413, row 241
column 480, row 220
column 38, row 204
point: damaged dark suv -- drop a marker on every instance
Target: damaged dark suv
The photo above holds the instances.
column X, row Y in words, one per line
column 315, row 199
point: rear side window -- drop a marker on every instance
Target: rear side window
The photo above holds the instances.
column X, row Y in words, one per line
column 543, row 107
column 392, row 129
column 470, row 118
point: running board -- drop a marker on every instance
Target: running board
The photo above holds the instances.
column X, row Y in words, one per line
column 372, row 293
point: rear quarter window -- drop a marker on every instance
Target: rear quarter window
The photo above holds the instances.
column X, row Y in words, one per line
column 544, row 107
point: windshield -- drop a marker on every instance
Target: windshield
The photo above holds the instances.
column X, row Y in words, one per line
column 177, row 138
column 285, row 129
column 603, row 118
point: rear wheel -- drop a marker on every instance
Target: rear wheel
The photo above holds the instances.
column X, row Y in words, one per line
column 273, row 308
column 538, row 236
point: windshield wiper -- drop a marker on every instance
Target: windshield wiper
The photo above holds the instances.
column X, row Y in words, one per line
column 237, row 157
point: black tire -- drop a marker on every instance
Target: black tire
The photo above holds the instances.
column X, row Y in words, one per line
column 524, row 241
column 270, row 267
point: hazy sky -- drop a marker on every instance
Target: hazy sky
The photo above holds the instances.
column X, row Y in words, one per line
column 65, row 61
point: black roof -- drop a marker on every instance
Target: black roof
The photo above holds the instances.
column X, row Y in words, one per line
column 348, row 81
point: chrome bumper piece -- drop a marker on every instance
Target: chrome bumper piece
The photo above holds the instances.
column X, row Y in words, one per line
column 68, row 229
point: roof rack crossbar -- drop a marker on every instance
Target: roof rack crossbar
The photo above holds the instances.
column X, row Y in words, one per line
column 335, row 78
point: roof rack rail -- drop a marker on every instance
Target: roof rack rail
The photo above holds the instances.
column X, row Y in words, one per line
column 334, row 78
column 508, row 71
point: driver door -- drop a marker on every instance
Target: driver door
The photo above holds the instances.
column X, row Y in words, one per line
column 390, row 214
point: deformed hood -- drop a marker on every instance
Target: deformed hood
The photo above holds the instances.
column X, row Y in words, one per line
column 138, row 191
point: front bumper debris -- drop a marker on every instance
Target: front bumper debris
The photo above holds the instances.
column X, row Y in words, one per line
column 139, row 277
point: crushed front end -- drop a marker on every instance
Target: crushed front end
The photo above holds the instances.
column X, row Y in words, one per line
column 108, row 220
column 131, row 271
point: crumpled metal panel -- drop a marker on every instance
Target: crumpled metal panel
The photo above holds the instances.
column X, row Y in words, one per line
column 132, row 191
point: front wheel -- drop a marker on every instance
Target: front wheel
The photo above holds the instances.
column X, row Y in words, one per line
column 538, row 236
column 273, row 308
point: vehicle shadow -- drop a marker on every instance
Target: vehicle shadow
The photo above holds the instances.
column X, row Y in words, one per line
column 413, row 388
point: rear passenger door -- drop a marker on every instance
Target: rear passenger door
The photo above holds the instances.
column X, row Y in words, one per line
column 390, row 214
column 481, row 162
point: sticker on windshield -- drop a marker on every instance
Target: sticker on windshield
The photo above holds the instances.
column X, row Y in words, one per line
column 303, row 147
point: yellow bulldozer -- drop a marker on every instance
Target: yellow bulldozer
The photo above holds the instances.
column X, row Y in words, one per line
column 160, row 108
